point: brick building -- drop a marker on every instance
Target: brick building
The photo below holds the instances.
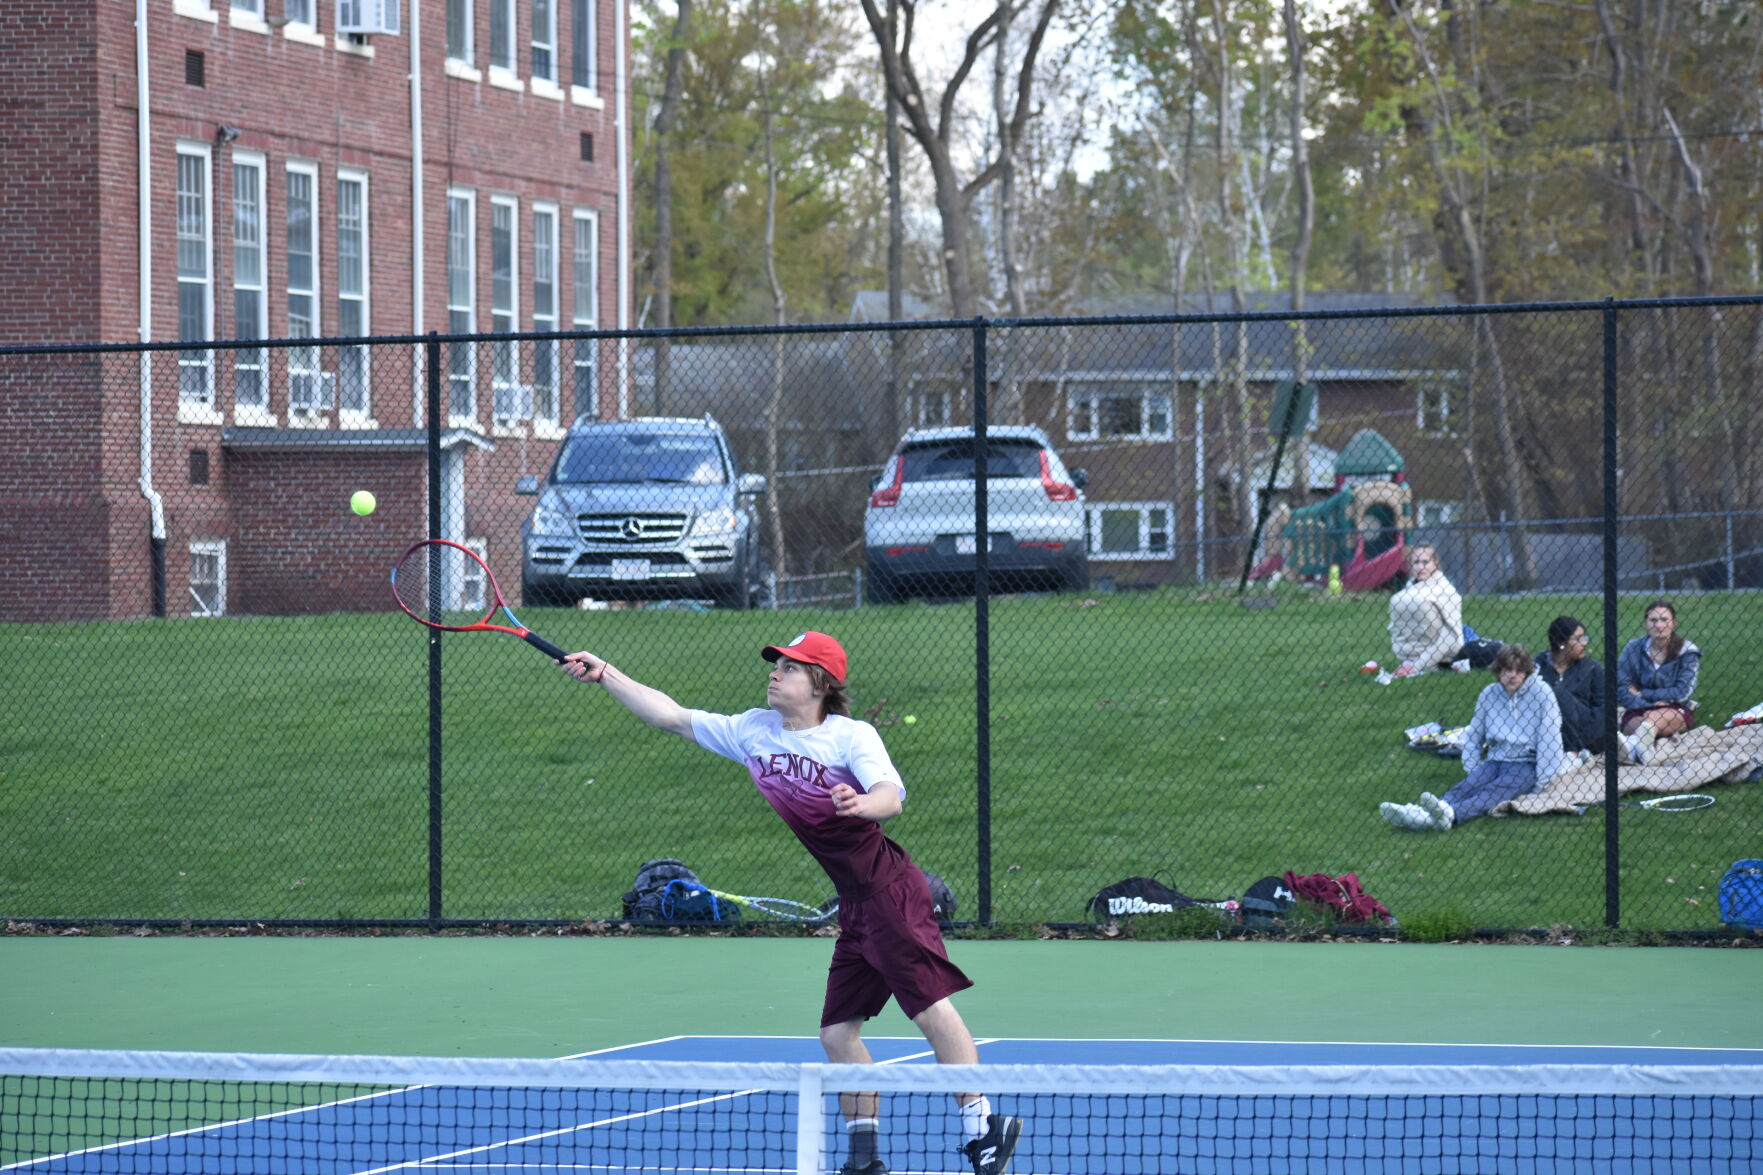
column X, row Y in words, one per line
column 456, row 166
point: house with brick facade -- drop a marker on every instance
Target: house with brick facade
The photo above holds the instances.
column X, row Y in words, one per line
column 232, row 186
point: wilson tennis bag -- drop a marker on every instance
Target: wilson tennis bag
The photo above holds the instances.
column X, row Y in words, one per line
column 1140, row 895
column 1741, row 895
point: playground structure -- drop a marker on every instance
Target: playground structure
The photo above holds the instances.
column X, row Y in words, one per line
column 1361, row 528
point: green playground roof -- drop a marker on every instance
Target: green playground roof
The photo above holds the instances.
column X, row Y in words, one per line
column 1369, row 452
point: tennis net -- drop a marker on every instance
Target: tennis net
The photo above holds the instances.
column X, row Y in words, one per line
column 190, row 1113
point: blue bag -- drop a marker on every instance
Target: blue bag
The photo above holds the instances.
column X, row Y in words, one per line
column 1741, row 895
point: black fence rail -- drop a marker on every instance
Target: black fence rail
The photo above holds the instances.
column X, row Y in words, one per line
column 1123, row 596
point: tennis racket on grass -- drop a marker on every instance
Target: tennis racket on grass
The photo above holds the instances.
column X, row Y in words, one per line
column 779, row 909
column 1678, row 803
column 445, row 585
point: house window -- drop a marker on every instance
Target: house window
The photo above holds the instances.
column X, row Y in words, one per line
column 544, row 40
column 585, row 309
column 1129, row 530
column 461, row 300
column 1432, row 408
column 352, row 319
column 1119, row 414
column 512, row 402
column 459, row 30
column 195, row 276
column 502, row 35
column 544, row 313
column 250, row 306
column 208, row 578
column 254, row 7
column 299, row 12
column 932, row 403
column 309, row 389
column 584, row 39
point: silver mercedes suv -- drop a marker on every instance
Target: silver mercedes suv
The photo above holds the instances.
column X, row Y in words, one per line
column 918, row 532
column 651, row 508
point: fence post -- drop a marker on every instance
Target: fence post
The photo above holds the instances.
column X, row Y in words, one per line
column 982, row 551
column 433, row 361
column 1612, row 805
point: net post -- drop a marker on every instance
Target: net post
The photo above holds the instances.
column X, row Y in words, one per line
column 808, row 1120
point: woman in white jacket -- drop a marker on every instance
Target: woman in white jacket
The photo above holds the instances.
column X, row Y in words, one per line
column 1426, row 617
column 1512, row 748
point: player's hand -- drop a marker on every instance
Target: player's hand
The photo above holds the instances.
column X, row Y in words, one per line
column 583, row 666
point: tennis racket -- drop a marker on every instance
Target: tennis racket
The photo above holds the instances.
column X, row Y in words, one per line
column 782, row 909
column 1678, row 803
column 445, row 585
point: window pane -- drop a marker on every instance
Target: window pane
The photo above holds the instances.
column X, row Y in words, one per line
column 1120, row 530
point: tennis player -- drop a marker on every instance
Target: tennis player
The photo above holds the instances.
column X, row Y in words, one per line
column 830, row 778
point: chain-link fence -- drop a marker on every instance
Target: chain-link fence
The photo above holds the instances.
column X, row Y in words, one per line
column 1124, row 597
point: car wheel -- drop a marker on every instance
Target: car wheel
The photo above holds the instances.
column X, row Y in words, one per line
column 1076, row 577
column 737, row 596
column 878, row 586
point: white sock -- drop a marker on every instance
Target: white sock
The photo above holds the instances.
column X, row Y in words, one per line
column 974, row 1115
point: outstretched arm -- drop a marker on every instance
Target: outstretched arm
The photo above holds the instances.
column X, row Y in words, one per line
column 879, row 803
column 646, row 702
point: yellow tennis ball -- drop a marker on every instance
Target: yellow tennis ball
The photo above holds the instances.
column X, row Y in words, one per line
column 362, row 502
column 910, row 719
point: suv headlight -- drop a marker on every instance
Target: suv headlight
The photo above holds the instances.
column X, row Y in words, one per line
column 550, row 520
column 718, row 521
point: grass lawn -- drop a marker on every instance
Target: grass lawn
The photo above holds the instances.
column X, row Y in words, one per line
column 278, row 768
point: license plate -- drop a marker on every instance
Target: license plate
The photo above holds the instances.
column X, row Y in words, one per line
column 630, row 569
column 965, row 544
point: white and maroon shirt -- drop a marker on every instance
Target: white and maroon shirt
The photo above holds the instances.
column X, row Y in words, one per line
column 796, row 770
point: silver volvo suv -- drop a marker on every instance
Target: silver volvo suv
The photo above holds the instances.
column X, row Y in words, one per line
column 650, row 508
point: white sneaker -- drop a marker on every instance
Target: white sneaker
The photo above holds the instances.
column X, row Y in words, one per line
column 1409, row 816
column 1438, row 813
column 1585, row 756
column 1643, row 743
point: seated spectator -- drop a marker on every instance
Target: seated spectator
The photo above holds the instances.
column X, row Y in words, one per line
column 1656, row 683
column 1511, row 748
column 1426, row 617
column 1578, row 682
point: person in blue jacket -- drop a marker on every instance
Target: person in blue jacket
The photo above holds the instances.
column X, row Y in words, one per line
column 1656, row 683
column 1511, row 748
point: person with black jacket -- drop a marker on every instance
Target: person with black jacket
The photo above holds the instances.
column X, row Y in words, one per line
column 1578, row 682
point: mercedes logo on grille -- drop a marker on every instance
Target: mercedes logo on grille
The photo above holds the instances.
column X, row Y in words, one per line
column 631, row 528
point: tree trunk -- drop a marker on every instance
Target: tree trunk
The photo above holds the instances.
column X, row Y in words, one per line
column 774, row 407
column 1300, row 250
column 663, row 277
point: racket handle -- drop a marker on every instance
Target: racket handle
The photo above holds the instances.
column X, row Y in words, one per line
column 544, row 646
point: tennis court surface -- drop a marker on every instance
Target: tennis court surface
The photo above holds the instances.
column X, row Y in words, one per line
column 759, row 1105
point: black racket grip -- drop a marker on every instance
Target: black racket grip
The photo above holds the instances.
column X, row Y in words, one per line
column 544, row 646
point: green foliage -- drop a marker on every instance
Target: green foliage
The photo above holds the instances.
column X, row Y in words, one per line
column 1446, row 924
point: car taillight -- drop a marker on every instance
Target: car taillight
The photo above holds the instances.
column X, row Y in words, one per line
column 890, row 495
column 1057, row 491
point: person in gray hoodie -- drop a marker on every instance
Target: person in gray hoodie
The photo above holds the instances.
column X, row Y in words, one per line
column 1511, row 748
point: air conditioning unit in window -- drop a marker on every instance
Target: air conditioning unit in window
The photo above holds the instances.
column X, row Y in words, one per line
column 367, row 16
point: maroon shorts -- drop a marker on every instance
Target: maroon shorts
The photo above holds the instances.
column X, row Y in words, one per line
column 1634, row 717
column 889, row 945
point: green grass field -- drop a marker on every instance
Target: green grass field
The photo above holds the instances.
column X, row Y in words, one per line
column 278, row 768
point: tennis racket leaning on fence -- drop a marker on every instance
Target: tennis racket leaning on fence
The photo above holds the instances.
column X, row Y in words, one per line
column 445, row 585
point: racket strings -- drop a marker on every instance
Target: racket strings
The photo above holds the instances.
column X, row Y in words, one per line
column 441, row 583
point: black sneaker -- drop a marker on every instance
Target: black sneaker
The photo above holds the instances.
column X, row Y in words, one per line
column 876, row 1167
column 990, row 1153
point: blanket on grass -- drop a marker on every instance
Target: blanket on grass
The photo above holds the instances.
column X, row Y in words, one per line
column 1688, row 762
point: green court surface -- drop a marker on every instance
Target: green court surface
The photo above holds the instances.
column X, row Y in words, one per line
column 543, row 997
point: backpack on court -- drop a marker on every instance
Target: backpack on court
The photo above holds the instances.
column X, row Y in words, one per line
column 942, row 898
column 1342, row 895
column 1741, row 895
column 1266, row 902
column 1140, row 895
column 666, row 891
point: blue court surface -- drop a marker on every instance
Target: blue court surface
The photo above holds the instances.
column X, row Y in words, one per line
column 1699, row 1127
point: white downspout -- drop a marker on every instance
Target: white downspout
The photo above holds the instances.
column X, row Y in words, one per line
column 418, row 393
column 144, row 292
column 624, row 220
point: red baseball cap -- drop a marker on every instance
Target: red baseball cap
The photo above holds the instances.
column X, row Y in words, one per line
column 814, row 648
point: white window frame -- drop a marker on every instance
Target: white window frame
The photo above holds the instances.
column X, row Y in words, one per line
column 1144, row 551
column 1433, row 408
column 584, row 311
column 205, row 549
column 196, row 397
column 584, row 47
column 511, row 402
column 355, row 415
column 311, row 389
column 461, row 374
column 251, row 363
column 544, row 40
column 463, row 53
column 547, row 378
column 1149, row 397
column 507, row 65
